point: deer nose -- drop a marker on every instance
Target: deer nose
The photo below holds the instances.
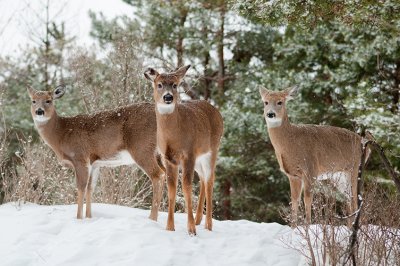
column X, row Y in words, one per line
column 168, row 98
column 271, row 115
column 39, row 111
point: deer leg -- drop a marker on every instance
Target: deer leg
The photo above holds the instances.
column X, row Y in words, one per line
column 158, row 185
column 157, row 177
column 295, row 192
column 82, row 177
column 352, row 204
column 94, row 174
column 200, row 204
column 172, row 181
column 307, row 201
column 354, row 196
column 209, row 203
column 187, row 180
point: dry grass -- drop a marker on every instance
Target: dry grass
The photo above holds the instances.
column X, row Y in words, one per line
column 39, row 178
column 325, row 242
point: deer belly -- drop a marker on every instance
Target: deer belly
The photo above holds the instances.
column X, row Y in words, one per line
column 339, row 179
column 203, row 166
column 121, row 158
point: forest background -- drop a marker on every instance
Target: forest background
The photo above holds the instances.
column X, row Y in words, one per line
column 344, row 55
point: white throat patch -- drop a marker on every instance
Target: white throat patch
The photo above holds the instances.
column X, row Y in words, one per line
column 273, row 122
column 165, row 109
column 41, row 119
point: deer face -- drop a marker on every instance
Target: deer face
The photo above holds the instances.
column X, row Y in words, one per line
column 275, row 104
column 42, row 107
column 165, row 87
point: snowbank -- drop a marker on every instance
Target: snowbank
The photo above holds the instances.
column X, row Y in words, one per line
column 50, row 235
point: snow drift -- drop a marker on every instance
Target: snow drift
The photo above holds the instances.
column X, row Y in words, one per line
column 51, row 235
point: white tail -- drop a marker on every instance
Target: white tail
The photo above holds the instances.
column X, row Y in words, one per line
column 188, row 134
column 123, row 136
column 309, row 152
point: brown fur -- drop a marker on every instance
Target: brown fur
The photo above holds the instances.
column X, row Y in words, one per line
column 192, row 129
column 82, row 140
column 305, row 152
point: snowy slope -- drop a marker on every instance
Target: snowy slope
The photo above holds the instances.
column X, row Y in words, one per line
column 50, row 235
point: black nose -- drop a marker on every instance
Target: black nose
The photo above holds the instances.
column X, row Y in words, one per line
column 168, row 98
column 39, row 112
column 271, row 115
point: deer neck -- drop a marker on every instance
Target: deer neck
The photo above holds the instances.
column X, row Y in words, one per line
column 48, row 130
column 167, row 126
column 278, row 134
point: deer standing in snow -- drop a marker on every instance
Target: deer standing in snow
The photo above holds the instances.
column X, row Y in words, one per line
column 188, row 135
column 309, row 152
column 123, row 136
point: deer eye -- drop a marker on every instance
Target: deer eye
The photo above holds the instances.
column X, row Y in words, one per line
column 33, row 101
column 48, row 101
column 159, row 85
column 174, row 86
column 279, row 103
column 266, row 103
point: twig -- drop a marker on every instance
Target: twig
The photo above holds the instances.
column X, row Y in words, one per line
column 353, row 243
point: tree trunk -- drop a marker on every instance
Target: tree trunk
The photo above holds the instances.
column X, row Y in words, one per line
column 207, row 80
column 396, row 90
column 179, row 42
column 220, row 51
column 47, row 48
column 226, row 204
column 227, row 185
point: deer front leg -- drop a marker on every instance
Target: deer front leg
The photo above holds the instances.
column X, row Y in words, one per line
column 295, row 193
column 200, row 204
column 172, row 181
column 157, row 180
column 187, row 180
column 82, row 177
column 307, row 201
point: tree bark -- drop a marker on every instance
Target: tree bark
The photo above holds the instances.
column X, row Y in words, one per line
column 47, row 48
column 227, row 185
column 396, row 90
column 179, row 42
column 220, row 51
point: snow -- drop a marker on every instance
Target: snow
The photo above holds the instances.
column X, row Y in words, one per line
column 51, row 235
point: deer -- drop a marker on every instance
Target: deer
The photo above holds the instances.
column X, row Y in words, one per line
column 188, row 136
column 307, row 153
column 123, row 136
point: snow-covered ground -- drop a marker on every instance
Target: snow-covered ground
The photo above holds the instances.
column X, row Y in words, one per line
column 50, row 235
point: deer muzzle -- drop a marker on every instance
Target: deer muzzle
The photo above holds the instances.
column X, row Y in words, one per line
column 39, row 111
column 168, row 98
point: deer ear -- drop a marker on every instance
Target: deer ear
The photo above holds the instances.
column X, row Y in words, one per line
column 263, row 91
column 181, row 72
column 292, row 92
column 31, row 91
column 151, row 74
column 58, row 92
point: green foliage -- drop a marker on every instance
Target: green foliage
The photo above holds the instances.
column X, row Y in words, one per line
column 306, row 14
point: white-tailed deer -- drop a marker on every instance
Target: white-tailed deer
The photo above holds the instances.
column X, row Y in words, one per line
column 188, row 135
column 122, row 136
column 309, row 152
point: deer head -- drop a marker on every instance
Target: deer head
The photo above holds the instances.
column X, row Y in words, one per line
column 165, row 87
column 42, row 107
column 275, row 104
